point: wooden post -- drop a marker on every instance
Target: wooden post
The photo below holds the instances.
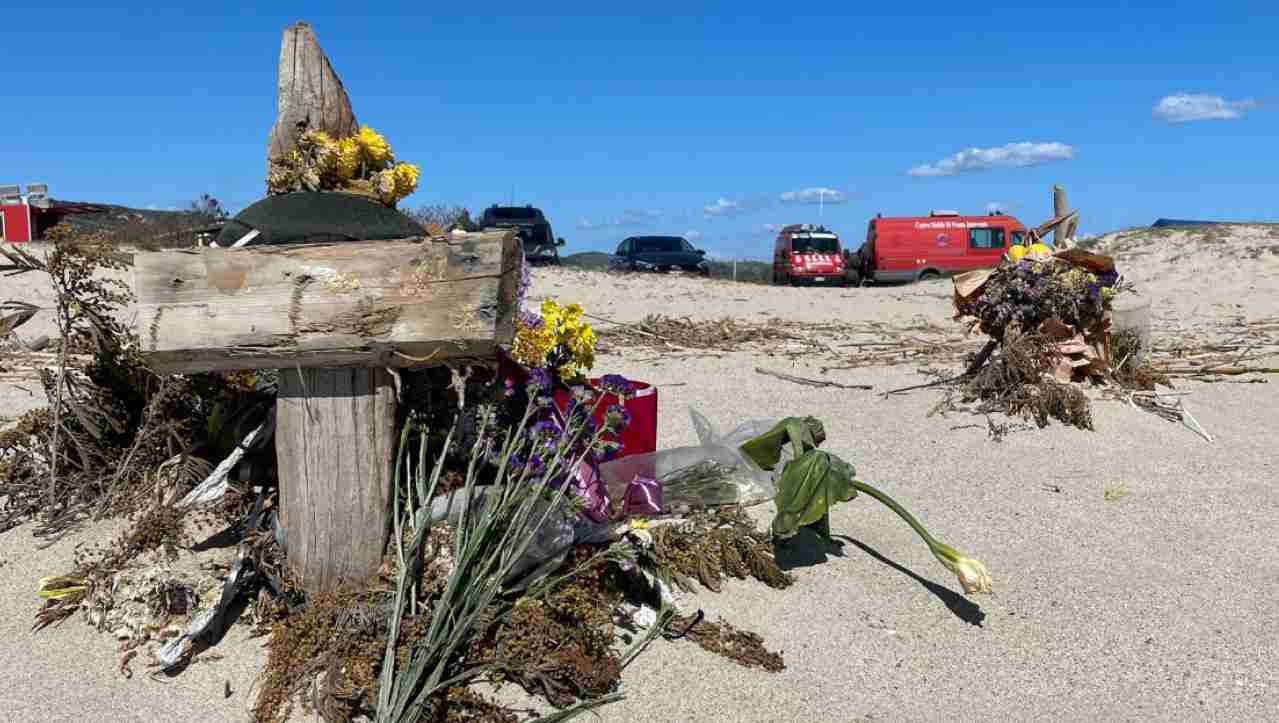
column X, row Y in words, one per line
column 309, row 94
column 335, row 441
column 1059, row 210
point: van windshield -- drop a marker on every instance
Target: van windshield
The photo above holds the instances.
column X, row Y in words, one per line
column 802, row 245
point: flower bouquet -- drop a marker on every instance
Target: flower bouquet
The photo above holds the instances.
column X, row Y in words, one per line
column 362, row 164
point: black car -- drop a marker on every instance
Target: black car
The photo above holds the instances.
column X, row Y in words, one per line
column 540, row 245
column 658, row 253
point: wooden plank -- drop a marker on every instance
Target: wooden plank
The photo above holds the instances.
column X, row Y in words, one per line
column 400, row 303
column 335, row 442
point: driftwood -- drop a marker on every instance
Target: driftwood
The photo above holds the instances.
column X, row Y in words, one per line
column 810, row 382
column 1060, row 209
column 400, row 303
column 310, row 94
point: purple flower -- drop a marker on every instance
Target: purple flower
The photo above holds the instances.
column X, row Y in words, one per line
column 617, row 385
column 545, row 431
column 535, row 465
column 525, row 280
column 531, row 320
column 583, row 394
column 616, row 419
column 539, row 380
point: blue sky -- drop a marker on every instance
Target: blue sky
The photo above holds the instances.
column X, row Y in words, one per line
column 684, row 118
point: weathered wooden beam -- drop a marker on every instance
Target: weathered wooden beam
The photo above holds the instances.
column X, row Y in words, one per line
column 400, row 303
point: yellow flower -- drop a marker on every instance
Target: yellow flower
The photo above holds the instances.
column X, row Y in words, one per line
column 406, row 175
column 384, row 185
column 374, row 147
column 347, row 159
column 317, row 138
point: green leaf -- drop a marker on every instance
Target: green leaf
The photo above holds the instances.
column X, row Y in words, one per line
column 809, row 486
column 802, row 433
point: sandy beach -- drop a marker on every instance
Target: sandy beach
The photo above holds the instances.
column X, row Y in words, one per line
column 1157, row 605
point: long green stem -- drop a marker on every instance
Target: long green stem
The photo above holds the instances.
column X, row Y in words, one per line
column 891, row 504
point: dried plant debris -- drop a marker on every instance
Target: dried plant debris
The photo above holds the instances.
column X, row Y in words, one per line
column 1018, row 381
column 326, row 656
column 711, row 546
column 847, row 345
column 744, row 648
column 561, row 646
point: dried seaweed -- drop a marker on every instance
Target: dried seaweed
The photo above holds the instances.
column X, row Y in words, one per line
column 711, row 546
column 560, row 646
column 337, row 636
column 742, row 647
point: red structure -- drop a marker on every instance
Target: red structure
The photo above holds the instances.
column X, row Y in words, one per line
column 26, row 217
column 943, row 242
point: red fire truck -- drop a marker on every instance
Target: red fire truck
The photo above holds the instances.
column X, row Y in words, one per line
column 805, row 253
column 923, row 247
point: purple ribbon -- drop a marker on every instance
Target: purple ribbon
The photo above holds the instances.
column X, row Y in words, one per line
column 643, row 497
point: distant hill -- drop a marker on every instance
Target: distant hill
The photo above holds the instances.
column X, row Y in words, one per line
column 589, row 260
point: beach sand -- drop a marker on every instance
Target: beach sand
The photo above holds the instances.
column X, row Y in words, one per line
column 1158, row 605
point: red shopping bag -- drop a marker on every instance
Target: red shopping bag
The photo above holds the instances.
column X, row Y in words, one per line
column 639, row 437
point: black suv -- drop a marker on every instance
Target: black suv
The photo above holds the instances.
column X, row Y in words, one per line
column 540, row 245
column 658, row 253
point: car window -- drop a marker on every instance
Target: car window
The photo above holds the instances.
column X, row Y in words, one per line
column 623, row 247
column 661, row 244
column 514, row 214
column 986, row 238
column 1018, row 238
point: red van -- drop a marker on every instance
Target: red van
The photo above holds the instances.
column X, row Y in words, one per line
column 805, row 253
column 924, row 247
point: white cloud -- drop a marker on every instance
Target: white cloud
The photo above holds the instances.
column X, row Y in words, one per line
column 693, row 236
column 769, row 229
column 724, row 207
column 1185, row 107
column 995, row 207
column 628, row 217
column 1013, row 155
column 815, row 195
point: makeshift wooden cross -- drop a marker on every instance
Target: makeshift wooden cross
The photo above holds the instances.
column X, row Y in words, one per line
column 333, row 318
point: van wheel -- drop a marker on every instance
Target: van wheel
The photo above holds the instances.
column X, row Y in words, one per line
column 929, row 275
